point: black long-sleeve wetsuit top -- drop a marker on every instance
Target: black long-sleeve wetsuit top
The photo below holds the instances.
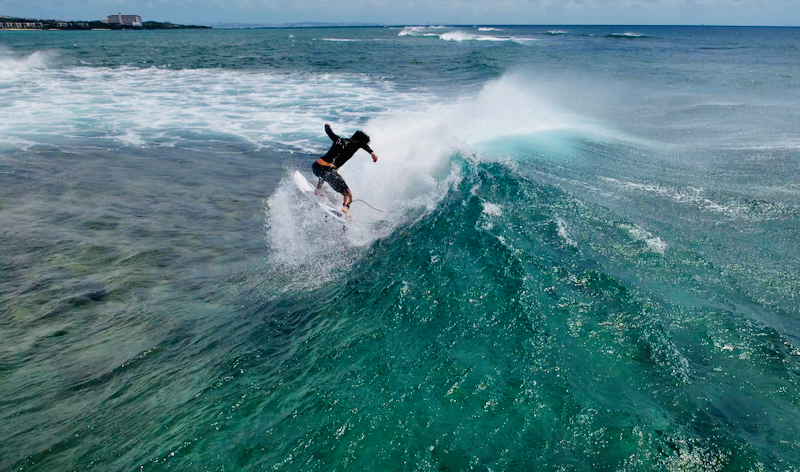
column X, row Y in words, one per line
column 342, row 149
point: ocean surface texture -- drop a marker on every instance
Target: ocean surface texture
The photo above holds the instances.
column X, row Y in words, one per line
column 579, row 250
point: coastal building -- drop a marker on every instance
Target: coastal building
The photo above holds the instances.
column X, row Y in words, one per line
column 20, row 25
column 123, row 20
column 45, row 25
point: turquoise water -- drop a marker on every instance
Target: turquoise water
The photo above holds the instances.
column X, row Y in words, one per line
column 586, row 259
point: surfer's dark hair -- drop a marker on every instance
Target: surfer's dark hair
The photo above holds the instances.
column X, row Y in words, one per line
column 360, row 136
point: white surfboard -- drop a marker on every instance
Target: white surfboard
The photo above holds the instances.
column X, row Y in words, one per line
column 307, row 190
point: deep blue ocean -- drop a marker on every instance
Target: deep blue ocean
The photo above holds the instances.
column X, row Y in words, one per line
column 579, row 250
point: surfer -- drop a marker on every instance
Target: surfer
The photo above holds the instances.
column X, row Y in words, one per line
column 340, row 152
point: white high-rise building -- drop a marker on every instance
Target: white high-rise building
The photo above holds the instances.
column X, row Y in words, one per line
column 123, row 20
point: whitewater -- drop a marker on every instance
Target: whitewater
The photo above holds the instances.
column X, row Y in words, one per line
column 577, row 251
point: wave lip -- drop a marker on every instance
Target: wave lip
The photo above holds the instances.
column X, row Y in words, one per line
column 12, row 64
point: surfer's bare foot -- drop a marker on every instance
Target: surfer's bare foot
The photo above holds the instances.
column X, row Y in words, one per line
column 346, row 211
column 318, row 193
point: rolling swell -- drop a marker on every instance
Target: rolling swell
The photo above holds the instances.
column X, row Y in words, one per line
column 482, row 337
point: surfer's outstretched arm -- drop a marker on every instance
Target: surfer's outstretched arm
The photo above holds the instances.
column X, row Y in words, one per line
column 330, row 133
column 363, row 145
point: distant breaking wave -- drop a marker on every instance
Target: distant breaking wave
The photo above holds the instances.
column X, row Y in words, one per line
column 449, row 34
column 626, row 36
column 420, row 30
column 351, row 40
column 11, row 64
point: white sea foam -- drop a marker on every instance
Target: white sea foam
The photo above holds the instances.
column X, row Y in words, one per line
column 416, row 145
column 304, row 243
column 12, row 65
column 492, row 209
column 463, row 36
column 352, row 40
column 158, row 107
column 654, row 243
column 420, row 30
column 562, row 231
column 458, row 35
column 466, row 36
column 691, row 196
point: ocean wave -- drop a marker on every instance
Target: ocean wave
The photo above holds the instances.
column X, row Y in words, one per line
column 12, row 64
column 351, row 40
column 458, row 35
column 494, row 266
column 626, row 36
column 420, row 150
column 466, row 36
column 420, row 30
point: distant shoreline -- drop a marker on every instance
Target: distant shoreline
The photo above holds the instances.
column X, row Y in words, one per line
column 248, row 26
column 30, row 24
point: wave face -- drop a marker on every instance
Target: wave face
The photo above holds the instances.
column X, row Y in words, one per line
column 506, row 328
column 575, row 256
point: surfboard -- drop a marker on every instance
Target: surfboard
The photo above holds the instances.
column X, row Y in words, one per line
column 308, row 191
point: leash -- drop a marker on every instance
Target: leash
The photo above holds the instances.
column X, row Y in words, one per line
column 367, row 204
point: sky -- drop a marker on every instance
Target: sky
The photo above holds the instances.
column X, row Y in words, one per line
column 422, row 12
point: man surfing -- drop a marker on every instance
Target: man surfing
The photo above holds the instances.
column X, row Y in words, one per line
column 340, row 152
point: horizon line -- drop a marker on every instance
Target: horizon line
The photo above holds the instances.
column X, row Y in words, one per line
column 319, row 24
